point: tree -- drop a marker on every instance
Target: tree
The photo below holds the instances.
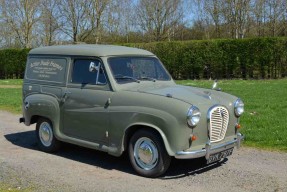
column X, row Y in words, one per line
column 214, row 10
column 49, row 20
column 158, row 17
column 98, row 8
column 276, row 10
column 21, row 17
column 259, row 14
column 73, row 18
column 237, row 15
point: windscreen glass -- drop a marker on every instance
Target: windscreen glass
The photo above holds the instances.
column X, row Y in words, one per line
column 129, row 69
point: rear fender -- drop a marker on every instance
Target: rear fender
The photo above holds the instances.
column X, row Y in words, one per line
column 41, row 105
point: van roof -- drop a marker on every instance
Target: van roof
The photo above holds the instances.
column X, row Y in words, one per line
column 89, row 50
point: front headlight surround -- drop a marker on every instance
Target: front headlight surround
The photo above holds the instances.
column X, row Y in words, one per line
column 238, row 107
column 193, row 116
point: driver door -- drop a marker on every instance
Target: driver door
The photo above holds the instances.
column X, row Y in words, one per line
column 85, row 110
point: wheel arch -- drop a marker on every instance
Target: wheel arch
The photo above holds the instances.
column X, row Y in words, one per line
column 42, row 106
column 134, row 128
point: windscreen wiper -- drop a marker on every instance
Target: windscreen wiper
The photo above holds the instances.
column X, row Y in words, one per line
column 119, row 76
column 147, row 78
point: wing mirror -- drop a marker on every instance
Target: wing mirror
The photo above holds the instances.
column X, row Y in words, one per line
column 214, row 86
column 93, row 67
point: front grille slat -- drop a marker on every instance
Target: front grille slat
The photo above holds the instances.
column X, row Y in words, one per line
column 219, row 119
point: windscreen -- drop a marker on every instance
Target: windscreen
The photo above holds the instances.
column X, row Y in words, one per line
column 129, row 69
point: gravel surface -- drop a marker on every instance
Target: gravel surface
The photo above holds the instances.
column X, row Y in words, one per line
column 23, row 166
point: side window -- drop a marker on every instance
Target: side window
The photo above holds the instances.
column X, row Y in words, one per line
column 47, row 69
column 83, row 75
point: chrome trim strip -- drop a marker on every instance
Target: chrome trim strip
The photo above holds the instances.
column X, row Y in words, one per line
column 209, row 149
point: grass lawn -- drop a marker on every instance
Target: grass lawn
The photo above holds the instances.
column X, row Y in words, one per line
column 11, row 82
column 10, row 99
column 263, row 123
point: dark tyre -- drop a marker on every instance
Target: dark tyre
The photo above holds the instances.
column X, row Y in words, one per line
column 147, row 154
column 45, row 136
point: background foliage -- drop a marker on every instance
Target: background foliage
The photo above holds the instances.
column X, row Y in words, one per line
column 12, row 63
column 256, row 58
column 34, row 23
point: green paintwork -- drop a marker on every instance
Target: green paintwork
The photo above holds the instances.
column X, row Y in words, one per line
column 99, row 116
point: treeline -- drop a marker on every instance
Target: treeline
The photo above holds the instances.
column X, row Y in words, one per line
column 34, row 23
column 256, row 58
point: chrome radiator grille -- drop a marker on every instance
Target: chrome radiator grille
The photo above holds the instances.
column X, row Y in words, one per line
column 218, row 123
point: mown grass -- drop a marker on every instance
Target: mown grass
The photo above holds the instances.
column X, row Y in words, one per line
column 11, row 99
column 11, row 82
column 263, row 123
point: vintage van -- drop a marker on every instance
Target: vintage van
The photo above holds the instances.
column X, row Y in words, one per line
column 116, row 99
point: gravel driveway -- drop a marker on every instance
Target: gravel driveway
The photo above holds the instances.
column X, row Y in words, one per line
column 74, row 168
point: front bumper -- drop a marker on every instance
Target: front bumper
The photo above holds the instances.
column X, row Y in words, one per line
column 209, row 150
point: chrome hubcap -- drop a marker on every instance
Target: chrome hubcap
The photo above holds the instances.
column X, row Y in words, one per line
column 45, row 134
column 146, row 153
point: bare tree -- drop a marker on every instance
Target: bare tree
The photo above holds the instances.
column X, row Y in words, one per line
column 21, row 17
column 259, row 14
column 158, row 17
column 214, row 9
column 74, row 18
column 201, row 20
column 120, row 20
column 128, row 18
column 49, row 20
column 237, row 15
column 96, row 13
column 276, row 9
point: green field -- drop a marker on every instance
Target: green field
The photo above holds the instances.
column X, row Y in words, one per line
column 10, row 99
column 11, row 82
column 263, row 123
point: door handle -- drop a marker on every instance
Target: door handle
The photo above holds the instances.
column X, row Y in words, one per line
column 67, row 92
column 108, row 102
column 27, row 105
column 65, row 95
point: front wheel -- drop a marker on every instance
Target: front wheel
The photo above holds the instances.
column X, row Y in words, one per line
column 45, row 136
column 147, row 154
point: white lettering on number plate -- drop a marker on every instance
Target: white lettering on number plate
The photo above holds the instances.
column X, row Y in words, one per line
column 220, row 155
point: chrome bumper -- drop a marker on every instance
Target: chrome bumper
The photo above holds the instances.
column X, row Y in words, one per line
column 209, row 150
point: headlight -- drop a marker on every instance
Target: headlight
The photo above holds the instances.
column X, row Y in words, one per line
column 193, row 116
column 238, row 107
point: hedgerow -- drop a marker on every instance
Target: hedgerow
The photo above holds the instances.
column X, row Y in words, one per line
column 12, row 63
column 256, row 58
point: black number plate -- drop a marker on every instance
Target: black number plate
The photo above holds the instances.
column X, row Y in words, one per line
column 220, row 155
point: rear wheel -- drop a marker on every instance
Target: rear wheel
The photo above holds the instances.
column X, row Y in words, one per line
column 45, row 136
column 147, row 154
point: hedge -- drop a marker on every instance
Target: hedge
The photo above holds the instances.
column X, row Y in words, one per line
column 12, row 63
column 256, row 58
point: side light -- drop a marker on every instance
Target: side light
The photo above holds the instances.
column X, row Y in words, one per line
column 193, row 138
column 237, row 126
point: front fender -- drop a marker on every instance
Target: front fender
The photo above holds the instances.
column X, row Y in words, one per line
column 124, row 118
column 152, row 126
